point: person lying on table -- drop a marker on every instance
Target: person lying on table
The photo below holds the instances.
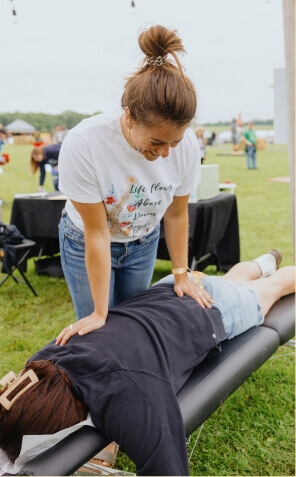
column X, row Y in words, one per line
column 127, row 374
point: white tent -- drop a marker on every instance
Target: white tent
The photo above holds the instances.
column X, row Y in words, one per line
column 20, row 126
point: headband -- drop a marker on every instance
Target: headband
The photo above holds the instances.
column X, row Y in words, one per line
column 12, row 381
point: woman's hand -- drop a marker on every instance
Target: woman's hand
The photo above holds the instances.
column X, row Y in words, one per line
column 183, row 285
column 81, row 327
column 176, row 235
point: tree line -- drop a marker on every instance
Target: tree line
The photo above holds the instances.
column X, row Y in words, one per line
column 48, row 122
column 45, row 122
column 256, row 122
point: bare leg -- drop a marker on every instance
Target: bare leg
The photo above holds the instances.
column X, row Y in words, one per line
column 262, row 266
column 271, row 289
column 243, row 271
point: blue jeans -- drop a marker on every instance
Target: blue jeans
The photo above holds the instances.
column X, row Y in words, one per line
column 132, row 266
column 55, row 178
column 251, row 157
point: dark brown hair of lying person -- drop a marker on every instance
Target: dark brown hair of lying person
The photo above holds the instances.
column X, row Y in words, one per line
column 45, row 408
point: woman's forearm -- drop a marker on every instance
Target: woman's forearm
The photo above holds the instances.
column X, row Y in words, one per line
column 97, row 252
column 98, row 265
column 176, row 233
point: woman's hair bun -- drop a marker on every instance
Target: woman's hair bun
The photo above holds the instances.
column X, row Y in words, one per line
column 159, row 89
column 160, row 41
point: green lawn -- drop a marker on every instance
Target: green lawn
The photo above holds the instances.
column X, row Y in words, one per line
column 253, row 432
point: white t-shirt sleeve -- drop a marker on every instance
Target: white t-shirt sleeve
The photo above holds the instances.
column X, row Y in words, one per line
column 191, row 171
column 77, row 176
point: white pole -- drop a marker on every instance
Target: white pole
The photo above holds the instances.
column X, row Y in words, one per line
column 289, row 35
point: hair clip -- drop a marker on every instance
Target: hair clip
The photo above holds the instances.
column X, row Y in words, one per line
column 12, row 381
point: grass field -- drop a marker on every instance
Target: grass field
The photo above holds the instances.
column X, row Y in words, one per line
column 253, row 432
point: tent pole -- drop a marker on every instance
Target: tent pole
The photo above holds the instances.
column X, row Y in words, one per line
column 289, row 36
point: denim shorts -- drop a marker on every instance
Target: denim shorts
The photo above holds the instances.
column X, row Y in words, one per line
column 132, row 266
column 236, row 302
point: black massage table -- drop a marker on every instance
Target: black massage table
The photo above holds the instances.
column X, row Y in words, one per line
column 209, row 385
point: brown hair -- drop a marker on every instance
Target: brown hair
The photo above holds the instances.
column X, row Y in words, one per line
column 33, row 164
column 160, row 91
column 47, row 407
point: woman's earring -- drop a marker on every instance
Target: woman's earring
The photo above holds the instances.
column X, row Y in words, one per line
column 129, row 137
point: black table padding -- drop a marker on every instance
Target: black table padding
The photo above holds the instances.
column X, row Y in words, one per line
column 218, row 377
column 284, row 322
column 209, row 385
column 68, row 455
column 213, row 231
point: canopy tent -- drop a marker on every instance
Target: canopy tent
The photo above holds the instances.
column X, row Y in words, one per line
column 19, row 126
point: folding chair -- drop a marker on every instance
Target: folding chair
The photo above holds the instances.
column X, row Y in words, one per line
column 21, row 252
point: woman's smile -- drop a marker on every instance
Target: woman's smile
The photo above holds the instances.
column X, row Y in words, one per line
column 161, row 138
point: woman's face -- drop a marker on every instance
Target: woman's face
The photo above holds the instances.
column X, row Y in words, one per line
column 154, row 141
column 38, row 157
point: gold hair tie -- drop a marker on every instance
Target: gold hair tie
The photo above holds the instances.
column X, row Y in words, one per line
column 12, row 381
column 156, row 60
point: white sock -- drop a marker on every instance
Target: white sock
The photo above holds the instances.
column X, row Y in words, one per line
column 267, row 264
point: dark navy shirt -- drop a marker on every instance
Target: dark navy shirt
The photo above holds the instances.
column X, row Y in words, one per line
column 51, row 156
column 129, row 372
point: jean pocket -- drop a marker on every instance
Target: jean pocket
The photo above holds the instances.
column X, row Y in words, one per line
column 72, row 232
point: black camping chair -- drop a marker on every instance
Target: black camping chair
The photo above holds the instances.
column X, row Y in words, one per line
column 18, row 254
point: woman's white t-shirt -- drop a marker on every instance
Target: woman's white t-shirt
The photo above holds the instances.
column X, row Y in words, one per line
column 97, row 164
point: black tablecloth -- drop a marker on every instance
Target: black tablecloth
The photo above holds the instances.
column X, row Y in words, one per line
column 38, row 220
column 213, row 233
column 213, row 229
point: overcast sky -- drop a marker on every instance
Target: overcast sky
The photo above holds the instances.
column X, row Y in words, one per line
column 75, row 54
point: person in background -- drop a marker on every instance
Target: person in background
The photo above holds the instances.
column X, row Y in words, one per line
column 212, row 140
column 60, row 134
column 233, row 127
column 37, row 138
column 202, row 144
column 239, row 130
column 3, row 137
column 250, row 138
column 236, row 128
column 40, row 157
column 123, row 172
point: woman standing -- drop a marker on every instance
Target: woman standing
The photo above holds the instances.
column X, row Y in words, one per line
column 122, row 173
column 202, row 144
